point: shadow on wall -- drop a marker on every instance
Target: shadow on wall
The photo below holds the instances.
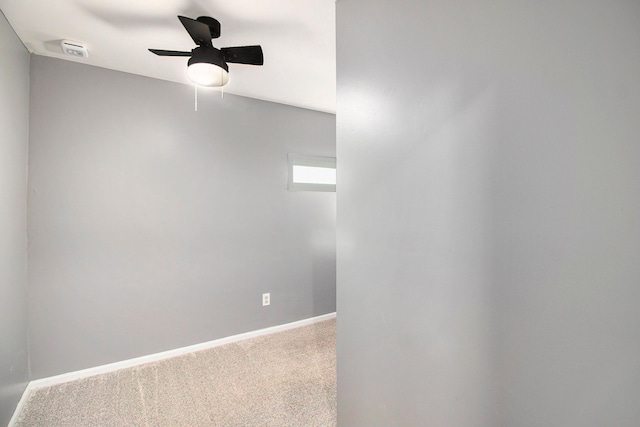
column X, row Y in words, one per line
column 324, row 280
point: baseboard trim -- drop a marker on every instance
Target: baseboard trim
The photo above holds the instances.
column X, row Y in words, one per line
column 21, row 403
column 103, row 369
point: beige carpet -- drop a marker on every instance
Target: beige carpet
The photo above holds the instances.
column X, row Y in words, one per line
column 283, row 379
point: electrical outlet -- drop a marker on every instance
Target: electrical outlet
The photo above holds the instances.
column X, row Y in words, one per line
column 266, row 299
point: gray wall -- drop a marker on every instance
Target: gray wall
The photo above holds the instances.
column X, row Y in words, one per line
column 152, row 226
column 489, row 213
column 14, row 141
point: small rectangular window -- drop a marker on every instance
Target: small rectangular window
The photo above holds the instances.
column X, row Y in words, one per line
column 312, row 173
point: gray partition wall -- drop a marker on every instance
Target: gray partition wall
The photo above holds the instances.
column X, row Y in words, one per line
column 14, row 140
column 153, row 226
column 488, row 213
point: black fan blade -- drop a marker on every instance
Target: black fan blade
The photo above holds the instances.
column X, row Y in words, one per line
column 198, row 31
column 213, row 24
column 161, row 52
column 251, row 55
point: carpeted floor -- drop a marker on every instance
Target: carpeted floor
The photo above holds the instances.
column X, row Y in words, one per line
column 283, row 379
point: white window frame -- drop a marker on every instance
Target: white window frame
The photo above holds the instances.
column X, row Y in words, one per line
column 313, row 161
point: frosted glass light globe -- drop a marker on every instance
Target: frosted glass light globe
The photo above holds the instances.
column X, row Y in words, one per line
column 206, row 74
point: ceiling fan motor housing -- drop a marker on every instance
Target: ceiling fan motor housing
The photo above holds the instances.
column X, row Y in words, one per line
column 208, row 54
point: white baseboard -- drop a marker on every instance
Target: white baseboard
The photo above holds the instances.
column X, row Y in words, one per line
column 21, row 403
column 85, row 373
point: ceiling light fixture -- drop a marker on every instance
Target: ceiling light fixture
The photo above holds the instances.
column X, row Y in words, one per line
column 207, row 67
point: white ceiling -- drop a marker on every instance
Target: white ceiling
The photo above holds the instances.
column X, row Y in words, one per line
column 297, row 38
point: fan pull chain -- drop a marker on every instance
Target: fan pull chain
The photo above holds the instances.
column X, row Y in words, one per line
column 196, row 98
column 221, row 87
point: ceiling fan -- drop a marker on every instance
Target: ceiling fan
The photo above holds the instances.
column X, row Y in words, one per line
column 207, row 65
